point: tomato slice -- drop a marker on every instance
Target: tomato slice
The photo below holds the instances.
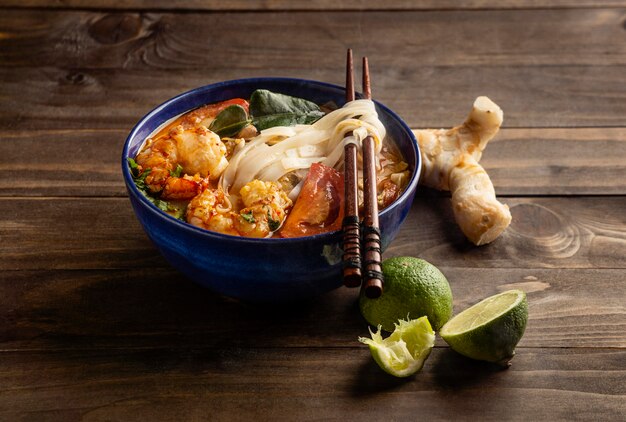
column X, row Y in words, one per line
column 320, row 205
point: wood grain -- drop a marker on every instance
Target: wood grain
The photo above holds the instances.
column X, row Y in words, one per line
column 74, row 233
column 318, row 5
column 51, row 98
column 399, row 41
column 583, row 161
column 102, row 233
column 305, row 384
column 159, row 308
column 65, row 69
column 563, row 232
column 86, row 162
column 75, row 162
column 95, row 325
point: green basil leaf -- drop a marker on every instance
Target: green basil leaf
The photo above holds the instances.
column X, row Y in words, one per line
column 269, row 109
column 230, row 121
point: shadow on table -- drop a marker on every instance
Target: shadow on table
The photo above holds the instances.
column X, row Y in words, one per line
column 444, row 370
column 161, row 308
column 454, row 372
column 370, row 379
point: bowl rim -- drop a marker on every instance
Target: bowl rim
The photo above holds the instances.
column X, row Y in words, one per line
column 134, row 191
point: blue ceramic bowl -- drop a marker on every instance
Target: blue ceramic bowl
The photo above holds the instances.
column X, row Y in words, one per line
column 259, row 270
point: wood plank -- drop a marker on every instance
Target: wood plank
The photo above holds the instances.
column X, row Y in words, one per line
column 401, row 42
column 75, row 162
column 102, row 233
column 95, row 232
column 584, row 232
column 51, row 98
column 582, row 161
column 85, row 162
column 575, row 60
column 326, row 384
column 322, row 5
column 114, row 332
column 157, row 307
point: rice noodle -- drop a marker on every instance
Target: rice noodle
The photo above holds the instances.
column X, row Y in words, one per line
column 280, row 150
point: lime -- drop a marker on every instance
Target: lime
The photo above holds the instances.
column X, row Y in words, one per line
column 491, row 329
column 413, row 288
column 402, row 353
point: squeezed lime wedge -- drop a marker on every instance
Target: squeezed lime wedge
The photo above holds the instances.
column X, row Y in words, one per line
column 404, row 352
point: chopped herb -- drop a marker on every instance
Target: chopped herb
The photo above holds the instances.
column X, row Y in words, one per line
column 139, row 176
column 134, row 167
column 177, row 172
column 177, row 211
column 248, row 216
column 273, row 224
column 140, row 182
column 132, row 163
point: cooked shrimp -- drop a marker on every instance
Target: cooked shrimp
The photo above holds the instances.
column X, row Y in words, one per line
column 388, row 191
column 184, row 188
column 198, row 150
column 265, row 208
column 211, row 210
column 160, row 156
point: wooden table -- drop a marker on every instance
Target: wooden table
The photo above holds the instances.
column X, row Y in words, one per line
column 95, row 325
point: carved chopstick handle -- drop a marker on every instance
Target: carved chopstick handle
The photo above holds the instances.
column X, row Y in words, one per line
column 372, row 267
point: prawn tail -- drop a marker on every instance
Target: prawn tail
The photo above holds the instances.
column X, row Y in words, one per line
column 183, row 188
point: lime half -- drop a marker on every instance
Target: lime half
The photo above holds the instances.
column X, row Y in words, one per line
column 402, row 353
column 491, row 329
column 413, row 287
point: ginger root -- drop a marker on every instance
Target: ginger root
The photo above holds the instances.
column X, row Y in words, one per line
column 450, row 162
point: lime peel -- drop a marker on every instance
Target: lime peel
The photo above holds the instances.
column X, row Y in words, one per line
column 412, row 286
column 404, row 352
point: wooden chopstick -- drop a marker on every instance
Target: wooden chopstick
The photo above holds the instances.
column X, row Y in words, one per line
column 351, row 225
column 367, row 86
column 373, row 277
column 353, row 266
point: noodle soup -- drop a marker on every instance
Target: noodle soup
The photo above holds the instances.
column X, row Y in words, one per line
column 273, row 269
column 267, row 166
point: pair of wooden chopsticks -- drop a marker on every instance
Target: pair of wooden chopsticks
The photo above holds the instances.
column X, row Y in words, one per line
column 366, row 272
